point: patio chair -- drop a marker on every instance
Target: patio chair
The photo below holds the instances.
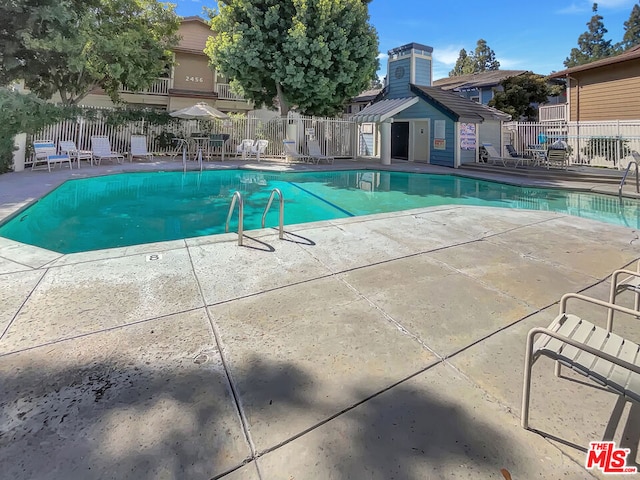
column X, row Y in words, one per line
column 139, row 148
column 259, row 148
column 630, row 282
column 101, row 148
column 45, row 151
column 244, row 147
column 69, row 147
column 557, row 156
column 493, row 155
column 291, row 152
column 595, row 352
column 316, row 154
column 512, row 151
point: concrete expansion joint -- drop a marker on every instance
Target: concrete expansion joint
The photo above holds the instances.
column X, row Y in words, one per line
column 397, row 324
column 6, row 329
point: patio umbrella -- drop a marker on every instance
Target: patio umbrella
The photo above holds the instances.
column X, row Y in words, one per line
column 199, row 111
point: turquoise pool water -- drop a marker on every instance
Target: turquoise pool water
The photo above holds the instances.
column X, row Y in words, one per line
column 135, row 208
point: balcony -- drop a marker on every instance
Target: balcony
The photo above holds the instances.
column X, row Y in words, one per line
column 159, row 87
column 225, row 93
column 553, row 113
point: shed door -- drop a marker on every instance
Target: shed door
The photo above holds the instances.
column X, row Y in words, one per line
column 400, row 140
column 421, row 141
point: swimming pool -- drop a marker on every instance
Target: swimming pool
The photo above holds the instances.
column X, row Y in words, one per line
column 134, row 208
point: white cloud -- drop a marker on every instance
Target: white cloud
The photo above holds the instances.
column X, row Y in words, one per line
column 573, row 8
column 447, row 55
column 382, row 56
column 510, row 63
column 586, row 5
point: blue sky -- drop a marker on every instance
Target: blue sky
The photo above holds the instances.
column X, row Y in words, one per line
column 535, row 36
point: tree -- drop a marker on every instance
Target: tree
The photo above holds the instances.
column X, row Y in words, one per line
column 484, row 57
column 521, row 94
column 481, row 59
column 591, row 44
column 464, row 65
column 631, row 36
column 312, row 54
column 74, row 46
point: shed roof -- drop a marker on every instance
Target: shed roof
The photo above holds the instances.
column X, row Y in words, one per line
column 476, row 80
column 457, row 107
column 384, row 109
column 631, row 54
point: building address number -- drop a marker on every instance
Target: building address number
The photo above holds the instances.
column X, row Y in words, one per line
column 194, row 79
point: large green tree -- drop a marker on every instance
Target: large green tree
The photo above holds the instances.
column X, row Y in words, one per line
column 631, row 36
column 521, row 94
column 483, row 58
column 70, row 47
column 464, row 65
column 591, row 44
column 310, row 54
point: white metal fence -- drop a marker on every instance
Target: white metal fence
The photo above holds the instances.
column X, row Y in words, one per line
column 336, row 137
column 602, row 144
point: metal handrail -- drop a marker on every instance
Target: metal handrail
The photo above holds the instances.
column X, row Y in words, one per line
column 236, row 196
column 624, row 178
column 275, row 192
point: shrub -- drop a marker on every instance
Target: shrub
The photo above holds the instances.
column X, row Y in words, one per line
column 25, row 113
column 607, row 148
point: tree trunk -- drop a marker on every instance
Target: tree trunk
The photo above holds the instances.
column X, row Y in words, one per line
column 284, row 106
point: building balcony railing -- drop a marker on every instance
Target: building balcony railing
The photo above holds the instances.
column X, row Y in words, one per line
column 225, row 93
column 553, row 113
column 160, row 87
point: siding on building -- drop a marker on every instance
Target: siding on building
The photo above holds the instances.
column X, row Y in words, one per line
column 486, row 94
column 423, row 110
column 399, row 87
column 607, row 93
column 194, row 35
column 423, row 72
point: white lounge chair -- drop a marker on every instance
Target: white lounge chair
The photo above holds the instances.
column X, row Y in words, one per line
column 139, row 148
column 316, row 154
column 291, row 152
column 494, row 156
column 259, row 148
column 69, row 147
column 45, row 151
column 244, row 148
column 101, row 148
column 590, row 350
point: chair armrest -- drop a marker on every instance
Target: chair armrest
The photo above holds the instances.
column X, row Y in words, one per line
column 581, row 346
column 619, row 308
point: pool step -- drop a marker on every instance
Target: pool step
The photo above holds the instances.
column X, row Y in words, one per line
column 573, row 174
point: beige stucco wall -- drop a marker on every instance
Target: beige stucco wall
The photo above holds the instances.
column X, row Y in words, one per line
column 192, row 72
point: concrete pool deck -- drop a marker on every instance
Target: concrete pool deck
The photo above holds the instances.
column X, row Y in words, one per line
column 386, row 346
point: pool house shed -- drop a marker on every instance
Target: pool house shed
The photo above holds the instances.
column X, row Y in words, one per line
column 421, row 123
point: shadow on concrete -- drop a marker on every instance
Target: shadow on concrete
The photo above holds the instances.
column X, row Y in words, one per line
column 410, row 434
column 126, row 421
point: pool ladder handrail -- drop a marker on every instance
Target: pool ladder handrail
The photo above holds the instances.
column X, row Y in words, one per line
column 274, row 192
column 237, row 196
column 626, row 173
